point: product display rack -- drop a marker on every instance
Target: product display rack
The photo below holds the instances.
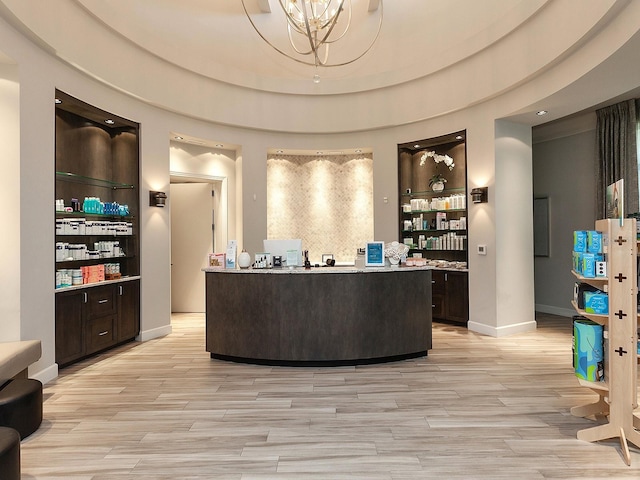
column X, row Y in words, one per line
column 442, row 249
column 618, row 394
column 97, row 157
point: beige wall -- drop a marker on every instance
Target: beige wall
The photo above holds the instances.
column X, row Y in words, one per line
column 493, row 293
column 10, row 198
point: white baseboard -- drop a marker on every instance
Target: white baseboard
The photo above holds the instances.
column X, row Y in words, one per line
column 47, row 374
column 563, row 312
column 501, row 331
column 154, row 333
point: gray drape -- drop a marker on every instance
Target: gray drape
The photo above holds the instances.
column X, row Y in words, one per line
column 616, row 132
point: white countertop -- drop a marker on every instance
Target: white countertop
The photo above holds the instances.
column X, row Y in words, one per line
column 297, row 270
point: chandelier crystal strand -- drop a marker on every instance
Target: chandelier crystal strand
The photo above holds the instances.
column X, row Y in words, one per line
column 312, row 25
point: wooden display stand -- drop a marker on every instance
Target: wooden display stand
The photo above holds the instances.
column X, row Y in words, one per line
column 618, row 395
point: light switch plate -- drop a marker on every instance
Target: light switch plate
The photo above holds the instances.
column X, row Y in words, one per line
column 482, row 249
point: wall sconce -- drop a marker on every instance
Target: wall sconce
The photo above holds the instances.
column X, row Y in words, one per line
column 157, row 199
column 480, row 194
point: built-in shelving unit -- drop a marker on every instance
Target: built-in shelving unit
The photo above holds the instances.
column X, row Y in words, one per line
column 97, row 231
column 433, row 222
column 617, row 394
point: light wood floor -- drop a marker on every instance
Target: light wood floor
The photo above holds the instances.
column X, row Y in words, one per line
column 477, row 407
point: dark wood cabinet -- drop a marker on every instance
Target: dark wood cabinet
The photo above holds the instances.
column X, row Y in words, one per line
column 97, row 211
column 70, row 326
column 92, row 319
column 450, row 294
column 128, row 310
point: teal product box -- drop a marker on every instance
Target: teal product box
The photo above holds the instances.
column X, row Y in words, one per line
column 594, row 241
column 577, row 265
column 588, row 350
column 588, row 265
column 596, row 302
column 580, row 241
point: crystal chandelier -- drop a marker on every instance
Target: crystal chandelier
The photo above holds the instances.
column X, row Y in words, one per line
column 312, row 26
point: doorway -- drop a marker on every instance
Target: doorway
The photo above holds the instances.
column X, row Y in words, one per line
column 195, row 207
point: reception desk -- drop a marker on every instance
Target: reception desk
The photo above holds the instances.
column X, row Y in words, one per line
column 321, row 316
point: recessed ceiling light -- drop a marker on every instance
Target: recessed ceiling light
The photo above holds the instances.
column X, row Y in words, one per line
column 219, row 145
column 58, row 101
column 318, row 153
column 280, row 151
column 416, row 146
column 178, row 137
column 358, row 151
column 541, row 112
column 108, row 121
column 459, row 137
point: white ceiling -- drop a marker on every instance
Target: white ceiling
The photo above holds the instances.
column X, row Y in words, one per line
column 215, row 39
column 202, row 58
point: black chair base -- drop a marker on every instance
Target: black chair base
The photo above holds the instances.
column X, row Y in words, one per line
column 9, row 454
column 21, row 405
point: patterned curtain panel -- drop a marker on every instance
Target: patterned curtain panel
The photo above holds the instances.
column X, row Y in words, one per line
column 616, row 136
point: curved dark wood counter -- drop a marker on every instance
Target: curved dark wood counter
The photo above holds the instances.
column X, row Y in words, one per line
column 323, row 316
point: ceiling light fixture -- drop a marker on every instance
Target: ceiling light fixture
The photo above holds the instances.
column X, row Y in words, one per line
column 312, row 26
column 541, row 112
column 178, row 137
column 108, row 121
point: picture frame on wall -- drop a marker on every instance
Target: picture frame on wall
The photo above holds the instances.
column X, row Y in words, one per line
column 374, row 254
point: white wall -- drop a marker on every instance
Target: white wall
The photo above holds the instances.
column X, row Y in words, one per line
column 499, row 298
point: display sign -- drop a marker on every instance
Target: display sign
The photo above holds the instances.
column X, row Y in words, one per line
column 374, row 254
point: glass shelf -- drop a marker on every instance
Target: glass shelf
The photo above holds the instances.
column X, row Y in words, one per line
column 92, row 261
column 431, row 193
column 408, row 232
column 93, row 215
column 96, row 182
column 436, row 211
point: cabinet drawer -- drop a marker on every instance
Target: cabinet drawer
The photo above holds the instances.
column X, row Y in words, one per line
column 100, row 333
column 101, row 301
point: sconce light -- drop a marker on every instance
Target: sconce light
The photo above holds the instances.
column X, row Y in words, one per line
column 157, row 199
column 480, row 194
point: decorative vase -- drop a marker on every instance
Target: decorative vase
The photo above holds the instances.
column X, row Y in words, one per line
column 244, row 259
column 438, row 186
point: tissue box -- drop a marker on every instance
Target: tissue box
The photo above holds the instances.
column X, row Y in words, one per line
column 579, row 290
column 217, row 260
column 580, row 241
column 588, row 265
column 577, row 263
column 594, row 241
column 588, row 351
column 596, row 302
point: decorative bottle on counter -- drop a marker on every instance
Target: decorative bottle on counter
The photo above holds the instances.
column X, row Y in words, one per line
column 244, row 259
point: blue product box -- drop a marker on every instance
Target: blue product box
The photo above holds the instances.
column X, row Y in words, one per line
column 580, row 241
column 596, row 302
column 588, row 351
column 594, row 241
column 588, row 265
column 577, row 265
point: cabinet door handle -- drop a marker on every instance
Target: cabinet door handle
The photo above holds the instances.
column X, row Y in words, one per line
column 85, row 297
column 103, row 301
column 446, row 277
column 120, row 289
column 102, row 334
column 433, row 306
column 433, row 281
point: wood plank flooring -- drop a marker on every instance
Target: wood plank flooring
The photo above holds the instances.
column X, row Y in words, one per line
column 476, row 408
